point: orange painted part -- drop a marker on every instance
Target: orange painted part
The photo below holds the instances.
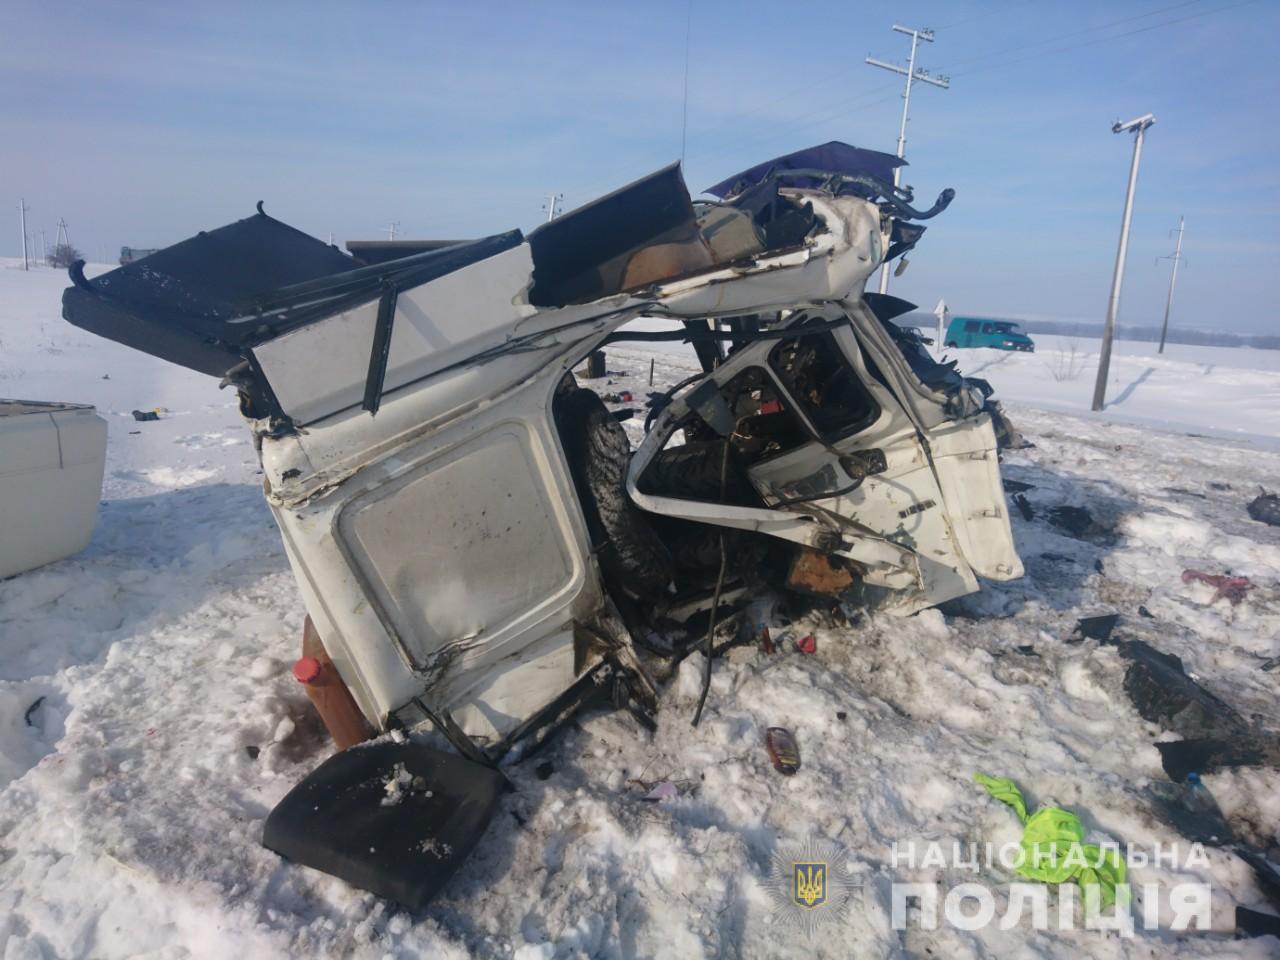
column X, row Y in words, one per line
column 329, row 694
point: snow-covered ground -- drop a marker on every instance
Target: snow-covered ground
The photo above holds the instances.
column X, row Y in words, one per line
column 131, row 808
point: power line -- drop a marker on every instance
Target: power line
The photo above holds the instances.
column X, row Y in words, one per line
column 860, row 101
column 1117, row 36
column 983, row 16
column 857, row 103
column 1023, row 47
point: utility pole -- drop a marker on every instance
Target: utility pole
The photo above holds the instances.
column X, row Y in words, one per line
column 63, row 236
column 912, row 74
column 22, row 216
column 1138, row 127
column 391, row 229
column 552, row 206
column 1173, row 278
column 44, row 246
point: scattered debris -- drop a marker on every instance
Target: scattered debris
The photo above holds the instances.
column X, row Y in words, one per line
column 1027, row 650
column 252, row 751
column 818, row 574
column 1271, row 664
column 1076, row 521
column 1232, row 588
column 784, row 752
column 1017, row 486
column 144, row 415
column 30, row 711
column 1265, row 508
column 1162, row 692
column 335, row 820
column 1250, row 748
column 1252, row 923
column 544, row 770
column 1216, row 735
column 766, row 642
column 666, row 790
column 841, row 715
column 1144, row 612
column 1190, row 809
column 1095, row 628
column 1020, row 501
column 807, row 644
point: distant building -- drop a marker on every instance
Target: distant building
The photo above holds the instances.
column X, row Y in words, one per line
column 130, row 254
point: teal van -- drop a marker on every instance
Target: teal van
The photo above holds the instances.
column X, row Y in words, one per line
column 980, row 332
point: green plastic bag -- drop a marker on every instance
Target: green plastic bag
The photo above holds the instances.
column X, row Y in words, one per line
column 1053, row 847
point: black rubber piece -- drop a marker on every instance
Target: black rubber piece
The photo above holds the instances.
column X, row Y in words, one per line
column 1096, row 628
column 1266, row 509
column 630, row 553
column 1254, row 923
column 336, row 821
column 1163, row 693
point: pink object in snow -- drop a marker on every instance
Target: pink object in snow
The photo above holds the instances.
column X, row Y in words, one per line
column 807, row 644
column 1233, row 588
column 663, row 791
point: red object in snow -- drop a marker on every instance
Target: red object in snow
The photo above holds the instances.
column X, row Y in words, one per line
column 771, row 406
column 1233, row 588
column 807, row 644
column 626, row 396
column 307, row 670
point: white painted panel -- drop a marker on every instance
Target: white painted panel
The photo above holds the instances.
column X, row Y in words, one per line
column 964, row 454
column 320, row 369
column 460, row 548
column 50, row 482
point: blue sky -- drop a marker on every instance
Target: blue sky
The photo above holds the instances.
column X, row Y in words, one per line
column 142, row 123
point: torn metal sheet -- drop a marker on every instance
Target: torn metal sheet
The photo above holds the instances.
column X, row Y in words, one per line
column 471, row 531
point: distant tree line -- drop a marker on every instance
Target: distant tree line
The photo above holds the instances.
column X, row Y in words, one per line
column 1201, row 338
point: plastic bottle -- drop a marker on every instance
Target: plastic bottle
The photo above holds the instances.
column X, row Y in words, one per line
column 1189, row 807
column 1199, row 800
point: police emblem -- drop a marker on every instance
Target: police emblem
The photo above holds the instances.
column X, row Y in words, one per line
column 810, row 883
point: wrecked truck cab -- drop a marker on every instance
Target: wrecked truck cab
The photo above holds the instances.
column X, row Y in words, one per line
column 479, row 548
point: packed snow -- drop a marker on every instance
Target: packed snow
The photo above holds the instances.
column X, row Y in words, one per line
column 166, row 723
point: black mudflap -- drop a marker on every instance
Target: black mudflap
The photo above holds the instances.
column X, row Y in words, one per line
column 401, row 842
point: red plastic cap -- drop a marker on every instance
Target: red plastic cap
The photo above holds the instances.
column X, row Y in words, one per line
column 307, row 670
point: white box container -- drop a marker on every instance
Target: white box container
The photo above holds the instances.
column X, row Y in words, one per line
column 52, row 457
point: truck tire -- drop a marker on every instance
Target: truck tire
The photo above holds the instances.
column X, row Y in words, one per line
column 692, row 472
column 631, row 556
